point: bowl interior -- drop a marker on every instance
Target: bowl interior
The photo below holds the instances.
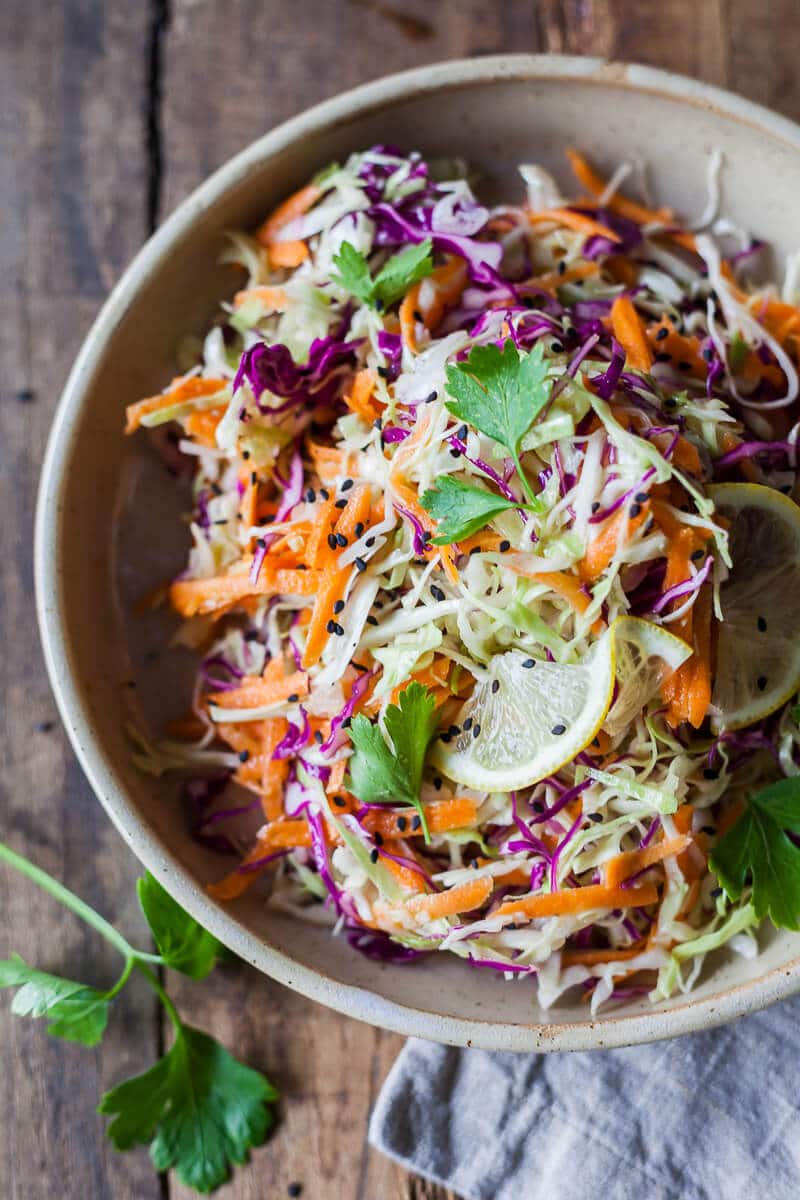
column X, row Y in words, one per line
column 110, row 530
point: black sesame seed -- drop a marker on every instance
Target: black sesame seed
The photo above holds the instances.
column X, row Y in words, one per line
column 383, row 372
column 762, row 625
column 556, row 347
column 684, row 366
column 338, row 629
column 670, row 402
column 462, row 433
column 402, row 824
column 717, row 891
column 595, row 506
column 294, row 1190
column 318, row 738
column 341, row 503
column 253, row 478
column 24, row 396
column 416, row 822
column 378, row 423
column 634, row 510
column 662, row 356
column 455, row 453
column 475, row 550
column 437, row 782
column 331, row 626
column 641, row 497
column 346, row 485
column 538, row 807
column 562, row 267
column 529, row 662
column 332, row 540
column 710, row 773
column 454, row 730
column 709, row 829
column 324, row 493
column 44, row 726
column 245, row 455
column 339, row 801
column 662, row 333
column 437, row 592
column 360, row 564
column 417, row 315
column 505, row 545
column 495, row 686
column 378, row 838
column 341, row 540
column 697, row 555
column 359, row 528
column 338, row 606
column 243, row 756
column 596, row 817
column 372, row 620
column 761, row 682
column 430, row 398
column 476, row 729
column 311, row 495
column 370, row 542
column 222, row 521
column 446, row 737
column 293, row 698
column 468, row 723
column 557, row 730
column 374, row 855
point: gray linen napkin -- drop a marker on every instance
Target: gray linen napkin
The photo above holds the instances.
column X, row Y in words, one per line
column 711, row 1116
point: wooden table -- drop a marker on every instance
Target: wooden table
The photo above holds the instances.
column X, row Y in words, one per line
column 110, row 112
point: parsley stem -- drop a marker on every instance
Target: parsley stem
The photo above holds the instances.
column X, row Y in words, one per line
column 156, row 985
column 536, row 503
column 74, row 904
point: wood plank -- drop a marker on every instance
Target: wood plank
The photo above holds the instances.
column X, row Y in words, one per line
column 72, row 185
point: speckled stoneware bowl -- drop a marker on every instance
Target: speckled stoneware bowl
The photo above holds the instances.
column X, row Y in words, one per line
column 108, row 529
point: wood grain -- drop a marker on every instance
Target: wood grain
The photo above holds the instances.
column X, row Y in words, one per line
column 109, row 114
column 72, row 177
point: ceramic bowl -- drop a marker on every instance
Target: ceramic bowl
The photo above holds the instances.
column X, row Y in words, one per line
column 108, row 528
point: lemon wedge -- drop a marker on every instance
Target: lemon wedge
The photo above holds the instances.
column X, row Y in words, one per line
column 527, row 719
column 645, row 656
column 758, row 648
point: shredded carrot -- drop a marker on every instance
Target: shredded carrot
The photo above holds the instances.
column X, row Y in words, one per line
column 294, row 206
column 359, row 399
column 553, row 280
column 441, row 816
column 409, row 315
column 256, row 691
column 685, row 351
column 581, row 899
column 191, row 597
column 631, row 862
column 595, row 185
column 180, row 391
column 274, row 299
column 592, row 958
column 569, row 587
column 287, row 254
column 628, row 329
column 331, row 589
column 318, row 552
column 463, row 898
column 617, row 530
column 356, row 513
column 202, row 426
column 579, row 222
column 409, row 879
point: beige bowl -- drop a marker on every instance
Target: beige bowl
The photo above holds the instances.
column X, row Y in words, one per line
column 97, row 551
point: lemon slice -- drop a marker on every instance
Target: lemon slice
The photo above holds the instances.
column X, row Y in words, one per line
column 758, row 648
column 528, row 719
column 645, row 655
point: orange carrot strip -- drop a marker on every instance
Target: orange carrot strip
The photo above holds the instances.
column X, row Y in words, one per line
column 569, row 588
column 202, row 425
column 331, row 589
column 628, row 329
column 336, row 777
column 682, row 348
column 359, row 400
column 288, row 210
column 441, row 815
column 274, row 299
column 591, row 958
column 580, row 222
column 464, row 898
column 287, row 254
column 409, row 500
column 581, row 899
column 595, row 185
column 630, row 862
column 553, row 280
column 602, row 549
column 409, row 315
column 254, row 691
column 190, row 597
column 282, row 835
column 186, row 389
column 356, row 512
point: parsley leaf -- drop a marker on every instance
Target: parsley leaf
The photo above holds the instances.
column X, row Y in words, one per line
column 379, row 775
column 501, row 394
column 182, row 942
column 461, row 509
column 76, row 1012
column 394, row 278
column 757, row 848
column 199, row 1108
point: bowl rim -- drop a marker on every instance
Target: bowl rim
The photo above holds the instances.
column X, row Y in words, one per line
column 355, row 1001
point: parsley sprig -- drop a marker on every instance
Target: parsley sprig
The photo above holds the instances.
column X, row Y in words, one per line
column 393, row 280
column 199, row 1108
column 382, row 775
column 461, row 509
column 501, row 393
column 758, row 850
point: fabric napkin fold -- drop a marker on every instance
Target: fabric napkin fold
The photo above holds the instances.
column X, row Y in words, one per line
column 710, row 1116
